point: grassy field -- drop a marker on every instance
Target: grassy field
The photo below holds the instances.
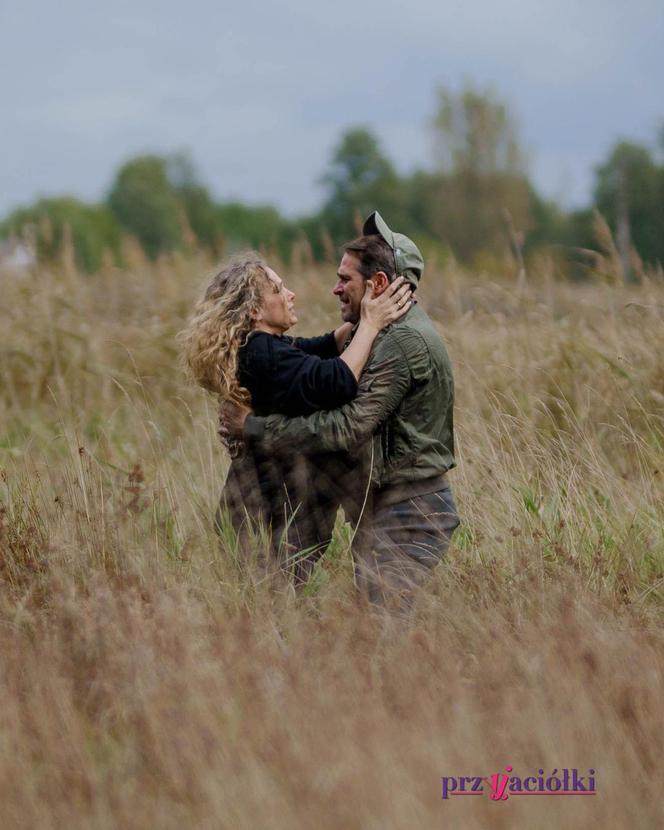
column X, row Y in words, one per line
column 153, row 678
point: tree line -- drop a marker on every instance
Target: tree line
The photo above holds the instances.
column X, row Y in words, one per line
column 474, row 201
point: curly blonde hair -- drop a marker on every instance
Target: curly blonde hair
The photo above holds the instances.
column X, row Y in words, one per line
column 221, row 323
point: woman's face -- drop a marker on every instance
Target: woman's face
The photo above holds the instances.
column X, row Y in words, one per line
column 277, row 313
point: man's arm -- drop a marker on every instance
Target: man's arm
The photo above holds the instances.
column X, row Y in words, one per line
column 385, row 382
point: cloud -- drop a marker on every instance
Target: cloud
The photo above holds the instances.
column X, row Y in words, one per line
column 260, row 92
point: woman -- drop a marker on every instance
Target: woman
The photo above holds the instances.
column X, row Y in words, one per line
column 236, row 346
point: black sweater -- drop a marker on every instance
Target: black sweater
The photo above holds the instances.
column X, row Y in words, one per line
column 294, row 376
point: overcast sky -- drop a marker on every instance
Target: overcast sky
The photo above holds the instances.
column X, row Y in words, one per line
column 260, row 92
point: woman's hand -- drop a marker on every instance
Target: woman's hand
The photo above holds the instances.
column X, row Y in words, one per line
column 375, row 314
column 389, row 306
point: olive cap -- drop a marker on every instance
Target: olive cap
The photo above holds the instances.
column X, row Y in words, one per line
column 408, row 260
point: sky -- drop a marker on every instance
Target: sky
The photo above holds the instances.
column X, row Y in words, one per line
column 260, row 92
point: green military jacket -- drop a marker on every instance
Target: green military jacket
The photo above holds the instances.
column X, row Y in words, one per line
column 404, row 405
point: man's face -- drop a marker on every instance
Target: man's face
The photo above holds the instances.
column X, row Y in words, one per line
column 350, row 288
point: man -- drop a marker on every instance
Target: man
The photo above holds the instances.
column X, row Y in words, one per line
column 399, row 430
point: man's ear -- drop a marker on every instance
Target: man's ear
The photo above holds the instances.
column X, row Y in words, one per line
column 381, row 282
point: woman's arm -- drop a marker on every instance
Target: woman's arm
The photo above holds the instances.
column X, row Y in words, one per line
column 376, row 313
column 284, row 379
column 321, row 346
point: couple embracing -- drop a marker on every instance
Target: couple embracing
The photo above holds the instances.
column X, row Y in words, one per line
column 361, row 417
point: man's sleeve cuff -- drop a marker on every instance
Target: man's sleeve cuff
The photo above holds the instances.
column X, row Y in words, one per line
column 254, row 429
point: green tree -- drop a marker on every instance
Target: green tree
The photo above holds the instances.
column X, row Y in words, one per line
column 199, row 209
column 360, row 179
column 481, row 173
column 256, row 226
column 629, row 187
column 145, row 203
column 93, row 229
column 475, row 132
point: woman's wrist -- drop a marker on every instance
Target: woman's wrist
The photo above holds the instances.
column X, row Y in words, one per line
column 369, row 328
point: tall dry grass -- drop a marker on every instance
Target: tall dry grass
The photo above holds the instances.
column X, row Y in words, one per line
column 152, row 677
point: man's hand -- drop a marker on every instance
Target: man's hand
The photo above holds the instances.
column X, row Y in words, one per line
column 231, row 424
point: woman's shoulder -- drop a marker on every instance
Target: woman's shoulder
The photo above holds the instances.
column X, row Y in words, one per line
column 261, row 342
column 256, row 341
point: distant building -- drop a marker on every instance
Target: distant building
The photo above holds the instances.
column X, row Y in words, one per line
column 16, row 254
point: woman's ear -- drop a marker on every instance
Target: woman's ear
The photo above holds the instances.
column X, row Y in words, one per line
column 256, row 314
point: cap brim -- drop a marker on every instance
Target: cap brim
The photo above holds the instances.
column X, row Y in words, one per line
column 375, row 224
